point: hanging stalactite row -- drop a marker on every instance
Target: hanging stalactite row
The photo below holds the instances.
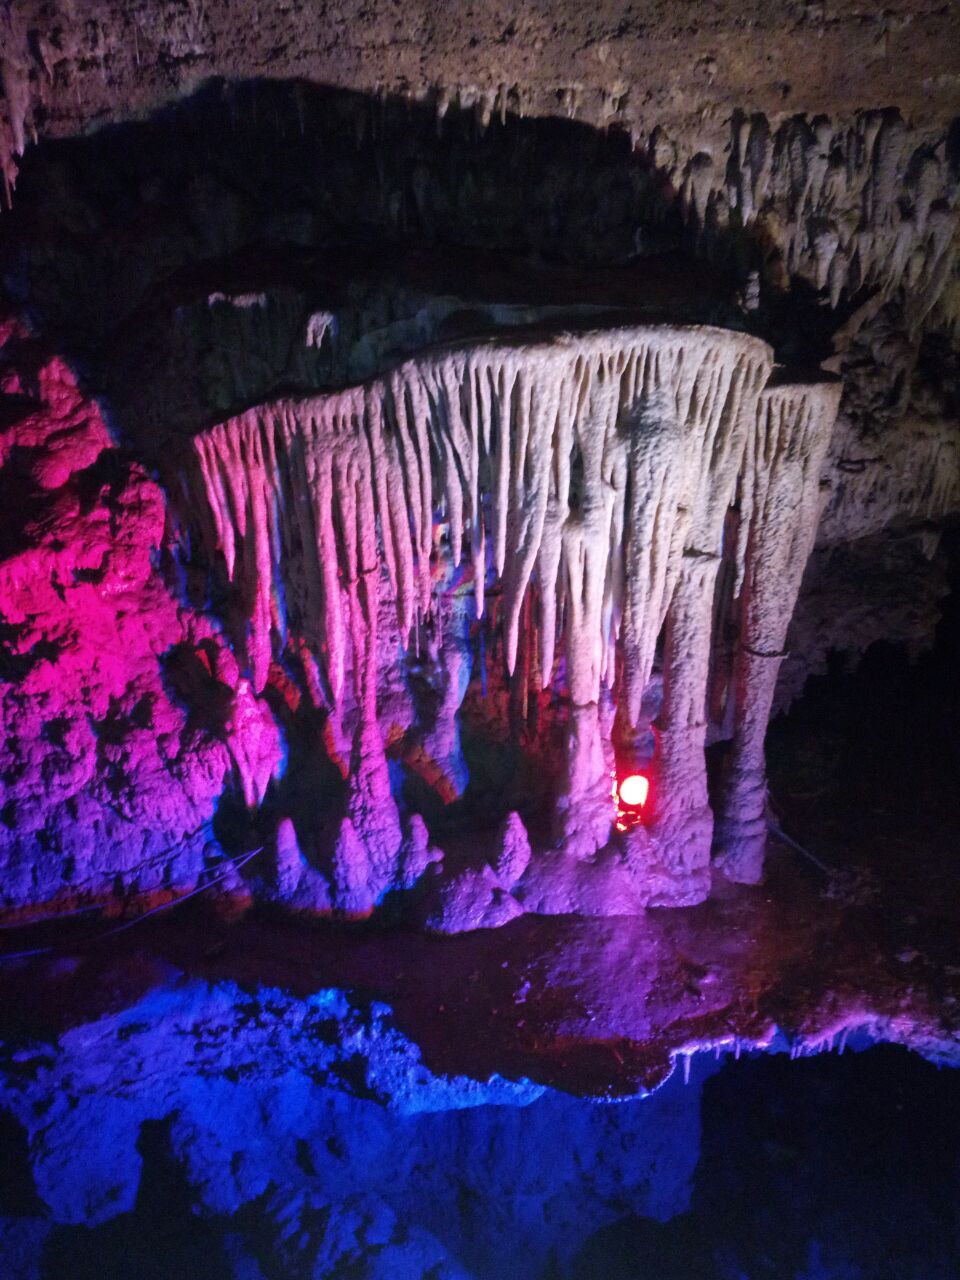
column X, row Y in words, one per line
column 589, row 478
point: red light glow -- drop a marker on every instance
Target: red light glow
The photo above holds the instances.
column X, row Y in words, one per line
column 634, row 790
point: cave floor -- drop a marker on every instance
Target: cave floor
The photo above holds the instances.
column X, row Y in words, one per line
column 597, row 1007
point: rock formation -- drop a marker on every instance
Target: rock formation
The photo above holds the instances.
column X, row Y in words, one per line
column 779, row 510
column 125, row 714
column 472, row 484
column 595, row 472
column 437, row 444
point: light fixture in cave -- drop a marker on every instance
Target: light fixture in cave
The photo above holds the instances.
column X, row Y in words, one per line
column 634, row 789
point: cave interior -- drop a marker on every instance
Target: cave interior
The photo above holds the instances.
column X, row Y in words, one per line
column 479, row 627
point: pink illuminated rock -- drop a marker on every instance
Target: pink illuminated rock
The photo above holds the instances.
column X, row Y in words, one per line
column 254, row 743
column 585, row 804
column 353, row 891
column 290, row 863
column 110, row 780
column 296, row 884
column 470, row 900
column 417, row 854
column 513, row 857
column 558, row 883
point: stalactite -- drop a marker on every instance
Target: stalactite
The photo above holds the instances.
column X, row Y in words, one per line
column 684, row 461
column 600, row 465
column 780, row 509
column 682, row 826
column 317, row 497
column 869, row 203
column 15, row 86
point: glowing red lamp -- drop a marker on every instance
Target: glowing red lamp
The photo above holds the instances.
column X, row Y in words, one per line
column 634, row 790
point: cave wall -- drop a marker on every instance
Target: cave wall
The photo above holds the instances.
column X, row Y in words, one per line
column 125, row 714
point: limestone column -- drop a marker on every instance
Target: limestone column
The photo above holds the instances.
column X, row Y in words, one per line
column 682, row 823
column 782, row 503
column 719, row 430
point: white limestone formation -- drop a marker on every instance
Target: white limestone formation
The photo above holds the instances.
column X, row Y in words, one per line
column 780, row 506
column 299, row 491
column 863, row 204
column 682, row 823
column 589, row 476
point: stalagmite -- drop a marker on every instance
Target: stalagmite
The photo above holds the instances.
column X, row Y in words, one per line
column 513, row 854
column 780, row 509
column 416, row 853
column 351, row 872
